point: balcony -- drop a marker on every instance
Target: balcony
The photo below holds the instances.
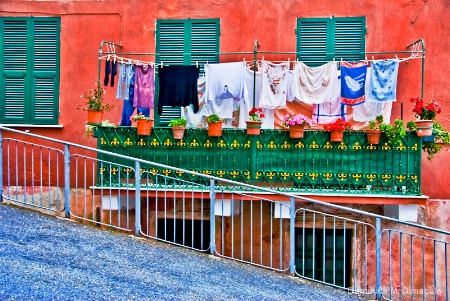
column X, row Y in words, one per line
column 310, row 165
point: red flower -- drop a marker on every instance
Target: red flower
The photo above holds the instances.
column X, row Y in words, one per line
column 425, row 111
column 256, row 114
column 338, row 125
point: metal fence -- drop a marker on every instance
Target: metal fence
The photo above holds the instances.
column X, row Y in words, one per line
column 339, row 246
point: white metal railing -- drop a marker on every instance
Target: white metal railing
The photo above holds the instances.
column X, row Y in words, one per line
column 342, row 247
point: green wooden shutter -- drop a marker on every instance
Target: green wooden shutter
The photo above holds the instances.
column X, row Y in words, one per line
column 14, row 66
column 170, row 47
column 30, row 64
column 45, row 72
column 185, row 42
column 320, row 40
column 204, row 42
column 349, row 39
column 312, row 44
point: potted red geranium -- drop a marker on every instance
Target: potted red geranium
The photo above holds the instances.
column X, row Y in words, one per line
column 255, row 120
column 426, row 114
column 337, row 129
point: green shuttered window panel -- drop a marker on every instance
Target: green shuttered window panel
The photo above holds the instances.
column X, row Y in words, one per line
column 320, row 40
column 30, row 63
column 185, row 42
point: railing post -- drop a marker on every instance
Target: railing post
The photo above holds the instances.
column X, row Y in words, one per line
column 378, row 288
column 66, row 181
column 292, row 236
column 212, row 217
column 1, row 165
column 137, row 200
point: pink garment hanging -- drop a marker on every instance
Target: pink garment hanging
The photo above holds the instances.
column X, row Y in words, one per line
column 144, row 87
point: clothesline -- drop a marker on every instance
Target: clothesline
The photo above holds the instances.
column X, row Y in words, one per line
column 417, row 51
column 249, row 64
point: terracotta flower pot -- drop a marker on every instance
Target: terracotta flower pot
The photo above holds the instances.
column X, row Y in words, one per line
column 424, row 127
column 214, row 129
column 144, row 127
column 178, row 132
column 253, row 127
column 296, row 131
column 373, row 136
column 337, row 136
column 94, row 117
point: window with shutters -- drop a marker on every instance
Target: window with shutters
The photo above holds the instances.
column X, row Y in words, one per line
column 320, row 40
column 185, row 42
column 29, row 61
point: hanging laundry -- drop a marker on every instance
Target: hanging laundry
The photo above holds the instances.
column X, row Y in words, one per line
column 249, row 89
column 178, row 87
column 129, row 76
column 383, row 80
column 274, row 85
column 113, row 71
column 315, row 85
column 289, row 91
column 107, row 72
column 110, row 72
column 368, row 110
column 121, row 70
column 128, row 109
column 144, row 87
column 329, row 112
column 353, row 79
column 196, row 120
column 224, row 88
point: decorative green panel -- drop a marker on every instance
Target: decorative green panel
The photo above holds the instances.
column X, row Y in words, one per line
column 311, row 164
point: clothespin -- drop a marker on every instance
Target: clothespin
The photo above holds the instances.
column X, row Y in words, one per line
column 396, row 57
column 207, row 63
column 373, row 58
column 196, row 64
column 161, row 64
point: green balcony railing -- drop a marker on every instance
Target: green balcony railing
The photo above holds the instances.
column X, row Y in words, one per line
column 272, row 159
